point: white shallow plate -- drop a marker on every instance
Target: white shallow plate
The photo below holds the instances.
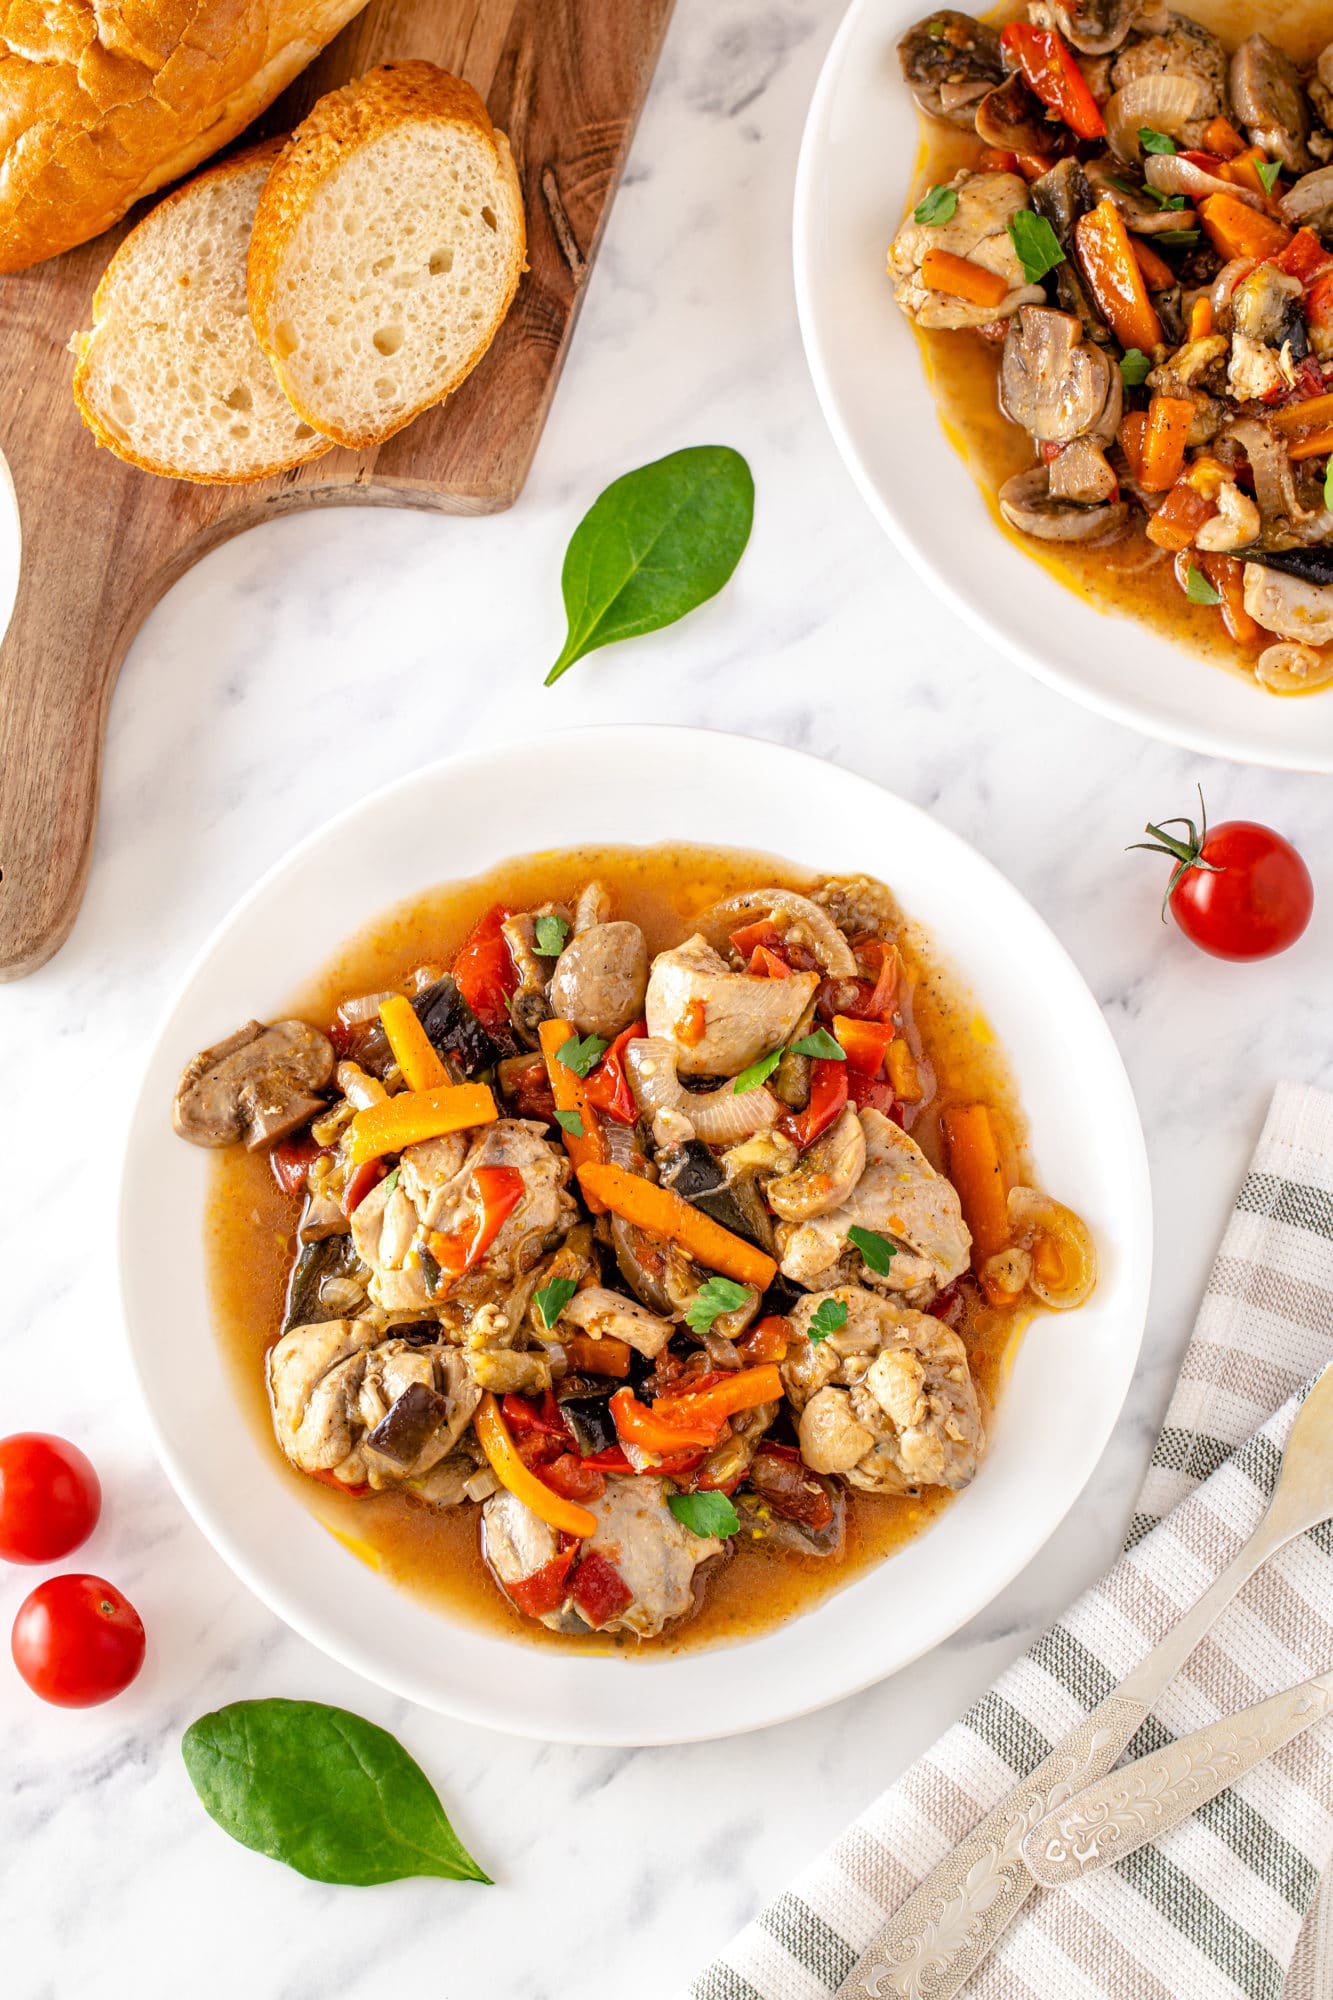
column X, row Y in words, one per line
column 1071, row 1374
column 857, row 157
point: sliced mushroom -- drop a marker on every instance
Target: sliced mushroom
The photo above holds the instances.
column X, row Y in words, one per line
column 1052, row 382
column 826, row 1174
column 1293, row 669
column 1288, row 606
column 1310, row 199
column 1320, row 87
column 1081, row 473
column 949, row 61
column 1094, row 27
column 1141, row 214
column 600, row 979
column 258, row 1085
column 1026, row 503
column 1013, row 117
column 1270, row 103
column 1062, row 195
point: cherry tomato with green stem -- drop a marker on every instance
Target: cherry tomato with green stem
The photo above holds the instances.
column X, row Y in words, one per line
column 1238, row 890
column 77, row 1640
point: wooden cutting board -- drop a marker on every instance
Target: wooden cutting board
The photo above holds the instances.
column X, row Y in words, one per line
column 101, row 541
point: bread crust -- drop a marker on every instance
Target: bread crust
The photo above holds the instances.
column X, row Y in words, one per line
column 105, row 101
column 381, row 101
column 120, row 269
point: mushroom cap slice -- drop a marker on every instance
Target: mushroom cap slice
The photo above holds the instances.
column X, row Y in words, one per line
column 1052, row 382
column 257, row 1086
column 949, row 61
column 1026, row 503
column 1266, row 91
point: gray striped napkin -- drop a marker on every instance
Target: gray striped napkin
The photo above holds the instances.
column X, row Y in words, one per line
column 1229, row 1904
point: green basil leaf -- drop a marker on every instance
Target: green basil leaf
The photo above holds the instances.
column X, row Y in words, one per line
column 820, row 1044
column 391, row 1181
column 1268, row 173
column 655, row 544
column 582, row 1056
column 939, row 205
column 829, row 1315
column 1037, row 244
column 1155, row 142
column 1134, row 367
column 1179, row 239
column 713, row 1298
column 430, row 1270
column 1328, row 486
column 551, row 934
column 570, row 1121
column 877, row 1250
column 552, row 1299
column 757, row 1073
column 1198, row 589
column 705, row 1513
column 324, row 1791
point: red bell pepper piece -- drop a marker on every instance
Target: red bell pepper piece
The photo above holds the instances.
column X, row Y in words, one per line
column 327, row 1478
column 868, row 1093
column 500, row 1190
column 1303, row 256
column 608, row 1089
column 484, row 970
column 572, row 1477
column 866, row 1043
column 524, row 1416
column 612, row 1459
column 1050, row 72
column 765, row 964
column 291, row 1160
column 544, row 1590
column 752, row 937
column 368, row 1175
column 600, row 1591
column 828, row 1096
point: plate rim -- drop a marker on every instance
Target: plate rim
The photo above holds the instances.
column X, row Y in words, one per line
column 1139, row 1233
column 1042, row 667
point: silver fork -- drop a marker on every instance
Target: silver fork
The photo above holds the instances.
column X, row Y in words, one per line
column 934, row 1943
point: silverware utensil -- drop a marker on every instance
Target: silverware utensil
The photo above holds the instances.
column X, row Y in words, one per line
column 1138, row 1801
column 933, row 1944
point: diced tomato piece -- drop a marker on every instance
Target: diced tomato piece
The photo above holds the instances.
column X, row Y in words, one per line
column 500, row 1190
column 752, row 936
column 367, row 1176
column 523, row 1416
column 609, row 1089
column 612, row 1459
column 782, row 1479
column 573, row 1478
column 828, row 1096
column 1319, row 300
column 544, row 1590
column 692, row 1025
column 1303, row 256
column 768, row 1341
column 291, row 1160
column 600, row 1591
column 485, row 972
column 867, row 1093
column 875, row 1000
column 946, row 1304
column 766, row 964
column 866, row 1042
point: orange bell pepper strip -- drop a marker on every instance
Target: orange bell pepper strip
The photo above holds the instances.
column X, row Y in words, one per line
column 866, row 1043
column 743, row 1391
column 415, row 1115
column 1236, row 230
column 494, row 1439
column 1310, row 444
column 1106, row 257
column 1169, row 421
column 1157, row 273
column 641, row 1424
column 1221, row 139
column 412, row 1048
column 660, row 1212
column 1132, row 433
column 977, row 1172
column 587, row 1146
column 941, row 271
column 1180, row 517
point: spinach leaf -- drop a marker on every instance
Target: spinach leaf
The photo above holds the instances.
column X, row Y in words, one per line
column 324, row 1791
column 571, row 1122
column 656, row 543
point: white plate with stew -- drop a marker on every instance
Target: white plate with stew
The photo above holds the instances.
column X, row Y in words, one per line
column 1068, row 1378
column 859, row 157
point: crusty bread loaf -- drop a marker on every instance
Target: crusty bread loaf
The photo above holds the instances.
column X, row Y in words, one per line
column 102, row 101
column 387, row 247
column 171, row 376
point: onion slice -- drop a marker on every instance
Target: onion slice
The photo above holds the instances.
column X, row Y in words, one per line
column 1164, row 103
column 1290, row 668
column 827, row 942
column 720, row 1117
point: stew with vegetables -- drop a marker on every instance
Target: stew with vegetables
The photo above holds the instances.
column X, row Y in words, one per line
column 626, row 1248
column 1120, row 257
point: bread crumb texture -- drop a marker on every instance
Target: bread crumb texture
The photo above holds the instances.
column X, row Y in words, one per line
column 171, row 376
column 387, row 248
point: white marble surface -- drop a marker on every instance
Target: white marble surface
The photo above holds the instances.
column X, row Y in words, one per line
column 300, row 667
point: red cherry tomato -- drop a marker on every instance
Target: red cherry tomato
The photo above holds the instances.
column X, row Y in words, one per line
column 77, row 1640
column 1239, row 890
column 49, row 1498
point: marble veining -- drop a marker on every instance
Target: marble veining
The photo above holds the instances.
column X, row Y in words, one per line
column 312, row 660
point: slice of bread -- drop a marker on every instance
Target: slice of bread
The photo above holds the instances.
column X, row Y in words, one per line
column 387, row 247
column 171, row 376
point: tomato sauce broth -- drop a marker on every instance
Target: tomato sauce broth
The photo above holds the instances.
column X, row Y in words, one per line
column 250, row 1241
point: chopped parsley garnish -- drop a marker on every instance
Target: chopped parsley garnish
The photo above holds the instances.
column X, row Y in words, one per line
column 552, row 1299
column 1037, row 244
column 1156, row 142
column 1179, row 239
column 1198, row 589
column 1328, row 486
column 569, row 1121
column 551, row 934
column 713, row 1298
column 1268, row 171
column 1134, row 367
column 1148, row 191
column 939, row 205
column 820, row 1044
column 877, row 1250
column 582, row 1056
column 758, row 1072
column 827, row 1318
column 391, row 1181
column 705, row 1514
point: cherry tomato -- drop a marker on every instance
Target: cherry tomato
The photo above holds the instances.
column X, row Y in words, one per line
column 1239, row 890
column 77, row 1640
column 49, row 1498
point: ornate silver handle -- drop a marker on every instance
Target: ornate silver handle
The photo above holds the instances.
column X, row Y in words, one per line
column 1144, row 1799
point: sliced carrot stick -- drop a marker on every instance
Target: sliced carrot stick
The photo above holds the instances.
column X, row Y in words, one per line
column 1221, row 139
column 1132, row 433
column 976, row 1171
column 941, row 271
column 412, row 1048
column 1311, row 444
column 1180, row 517
column 662, row 1213
column 1169, row 420
column 587, row 1145
column 1312, row 414
column 1157, row 273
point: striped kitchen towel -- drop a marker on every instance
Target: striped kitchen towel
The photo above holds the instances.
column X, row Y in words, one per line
column 1228, row 1904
